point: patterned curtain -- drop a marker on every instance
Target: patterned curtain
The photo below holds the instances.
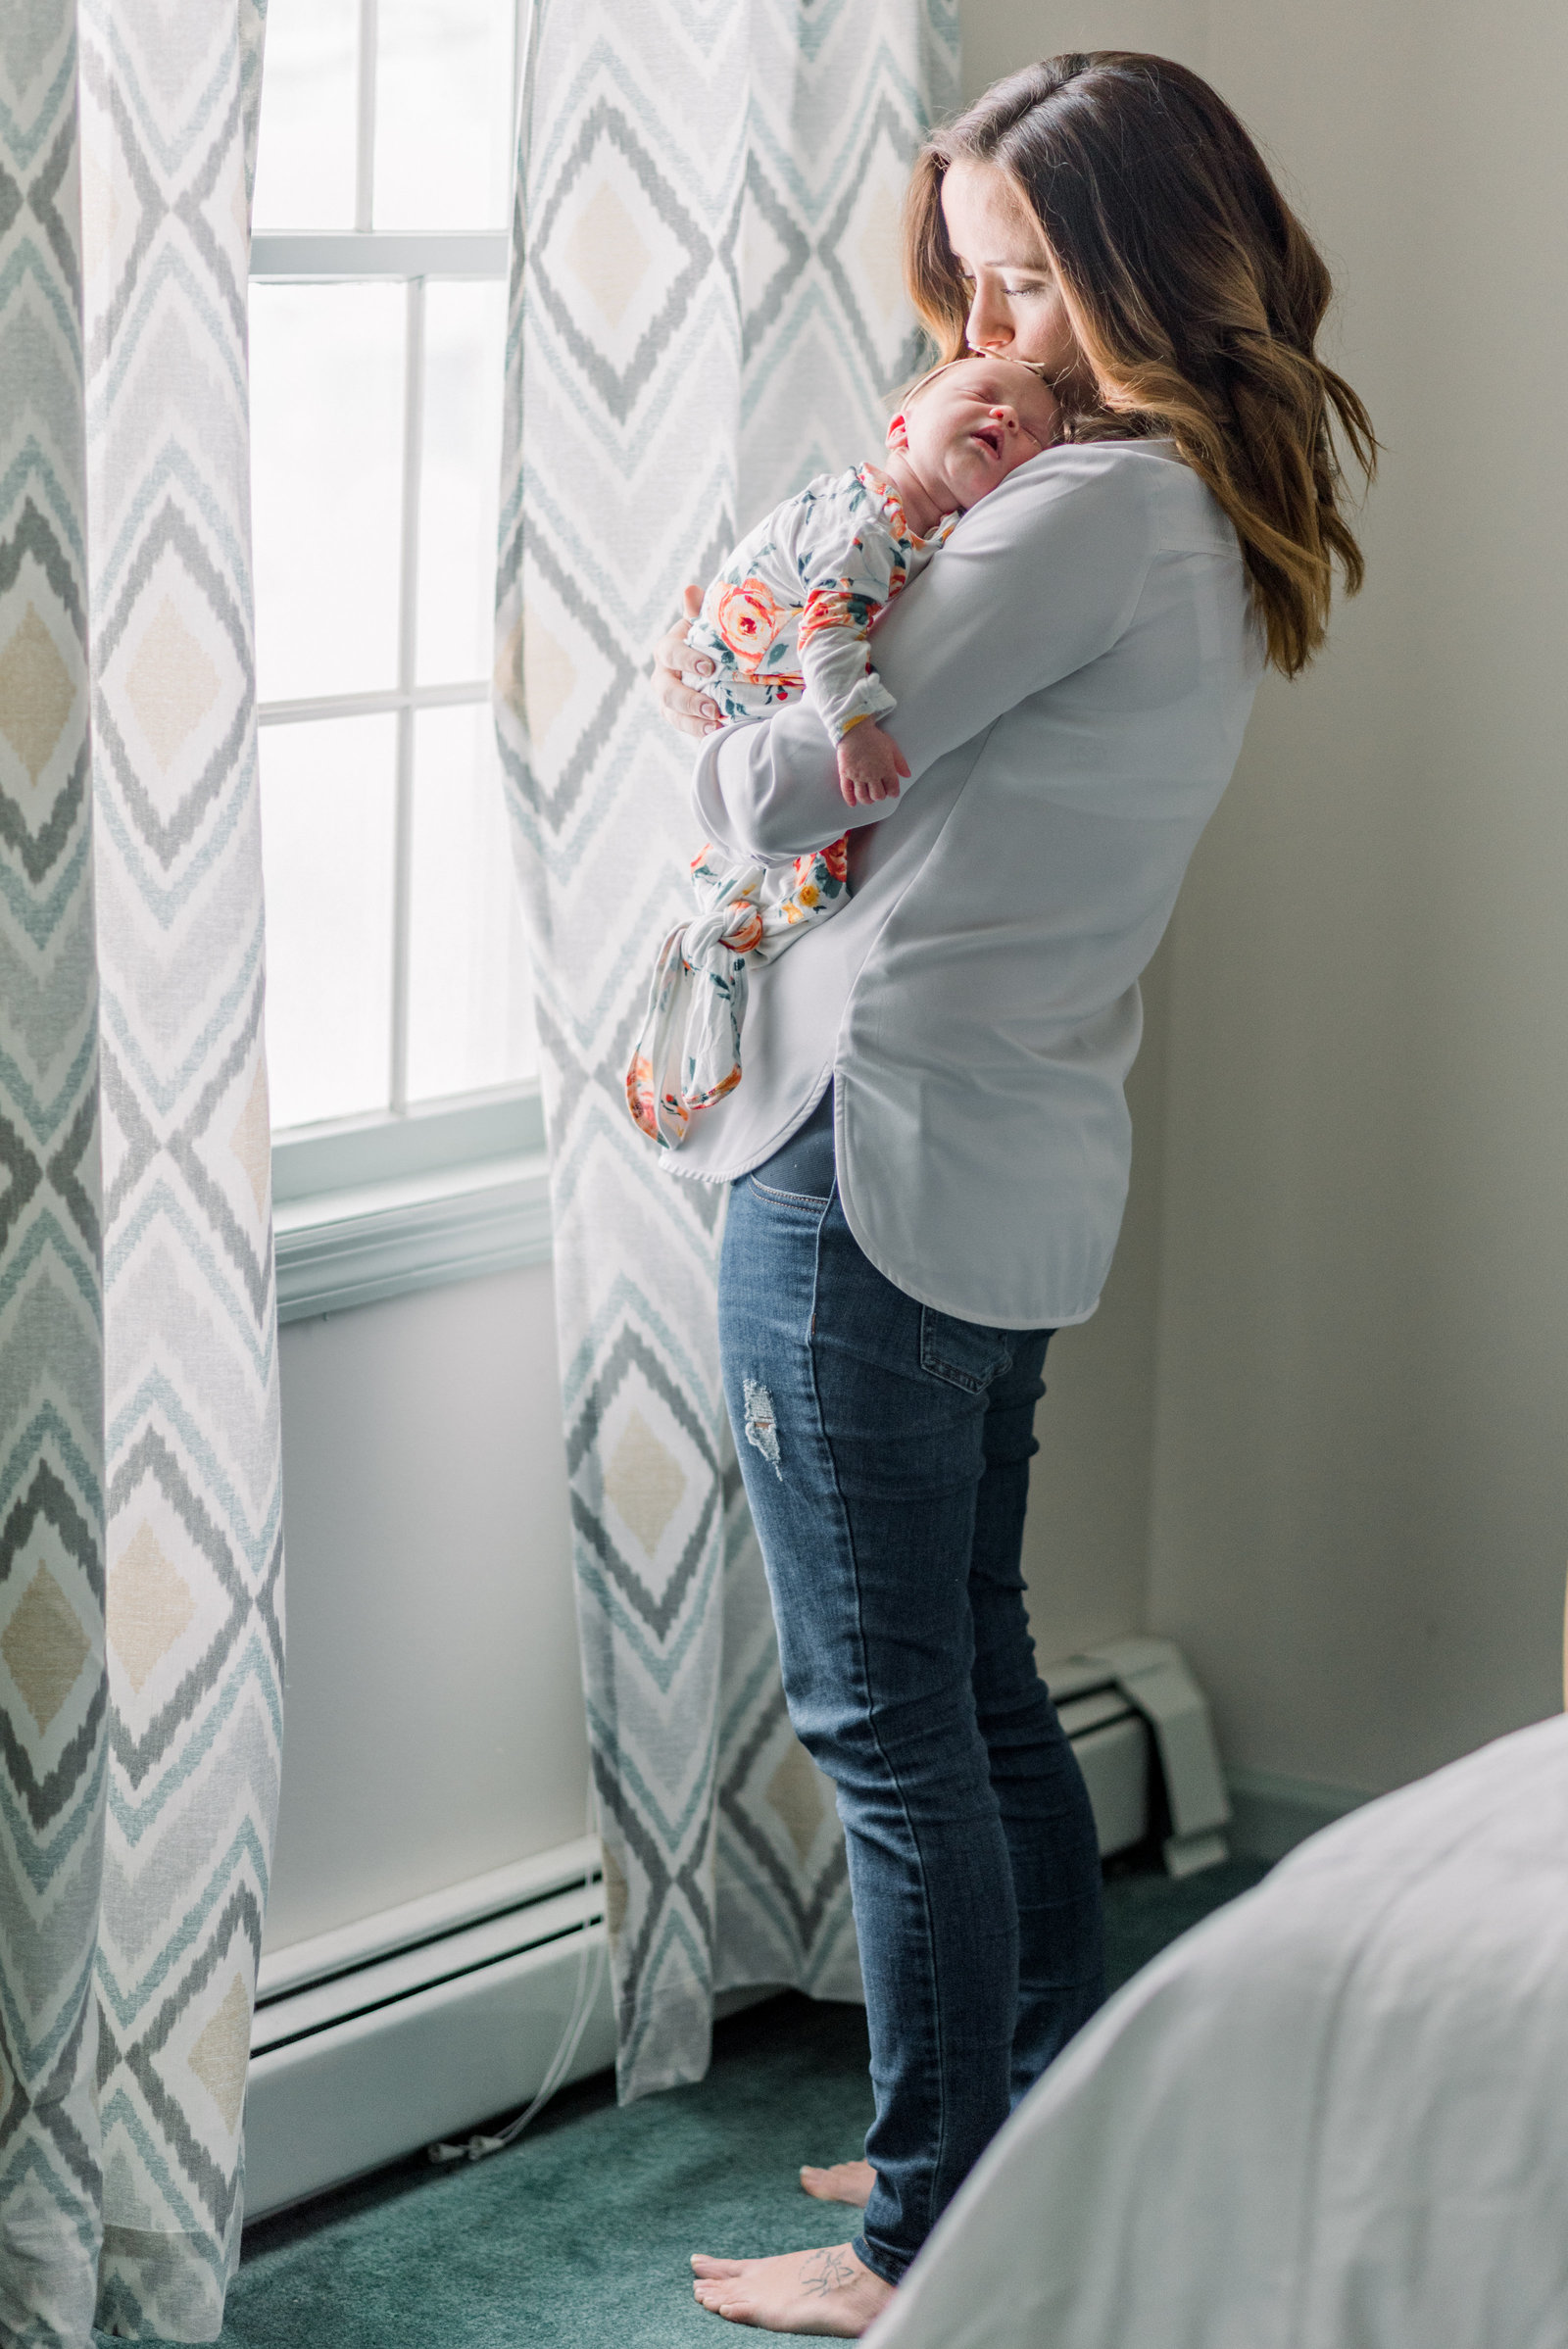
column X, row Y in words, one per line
column 140, row 1555
column 705, row 306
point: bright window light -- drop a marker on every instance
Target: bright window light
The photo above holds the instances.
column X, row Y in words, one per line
column 326, row 478
column 328, row 797
column 442, row 143
column 305, row 162
column 397, row 973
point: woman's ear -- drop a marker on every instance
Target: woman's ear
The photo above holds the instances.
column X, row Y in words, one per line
column 897, row 431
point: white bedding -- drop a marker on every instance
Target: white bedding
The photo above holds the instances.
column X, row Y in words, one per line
column 1334, row 2116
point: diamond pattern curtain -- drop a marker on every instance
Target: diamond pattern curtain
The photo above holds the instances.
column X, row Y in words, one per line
column 140, row 1553
column 705, row 306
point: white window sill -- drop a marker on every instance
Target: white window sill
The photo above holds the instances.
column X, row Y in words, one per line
column 361, row 253
column 386, row 1234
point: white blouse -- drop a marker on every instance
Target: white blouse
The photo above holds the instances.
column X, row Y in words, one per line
column 1072, row 677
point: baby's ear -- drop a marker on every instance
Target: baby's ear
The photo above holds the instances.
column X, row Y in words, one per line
column 897, row 431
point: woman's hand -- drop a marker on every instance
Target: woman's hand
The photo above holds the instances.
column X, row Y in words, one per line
column 684, row 706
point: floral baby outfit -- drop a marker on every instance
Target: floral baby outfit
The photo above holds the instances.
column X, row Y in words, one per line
column 790, row 613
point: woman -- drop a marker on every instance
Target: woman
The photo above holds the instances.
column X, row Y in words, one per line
column 929, row 1154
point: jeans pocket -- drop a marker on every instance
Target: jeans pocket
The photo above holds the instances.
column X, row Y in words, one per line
column 788, row 1199
column 966, row 1354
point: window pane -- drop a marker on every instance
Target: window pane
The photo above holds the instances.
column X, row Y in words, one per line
column 328, row 795
column 464, row 339
column 471, row 1019
column 443, row 122
column 326, row 485
column 305, row 159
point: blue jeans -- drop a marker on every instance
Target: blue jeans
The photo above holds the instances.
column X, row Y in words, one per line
column 886, row 1452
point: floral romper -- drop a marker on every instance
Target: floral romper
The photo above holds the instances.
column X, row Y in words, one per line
column 790, row 613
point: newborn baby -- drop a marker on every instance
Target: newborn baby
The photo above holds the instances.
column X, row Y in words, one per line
column 791, row 612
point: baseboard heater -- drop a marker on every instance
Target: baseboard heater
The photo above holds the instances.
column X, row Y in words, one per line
column 1131, row 1707
column 388, row 2034
column 414, row 2024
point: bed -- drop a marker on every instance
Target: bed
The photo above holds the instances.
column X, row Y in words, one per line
column 1333, row 2117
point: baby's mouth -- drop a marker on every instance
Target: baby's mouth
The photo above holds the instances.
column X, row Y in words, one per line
column 990, row 437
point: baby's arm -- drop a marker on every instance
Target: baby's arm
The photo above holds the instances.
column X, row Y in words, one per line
column 849, row 564
column 835, row 637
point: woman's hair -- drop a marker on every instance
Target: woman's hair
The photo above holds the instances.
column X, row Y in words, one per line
column 1193, row 292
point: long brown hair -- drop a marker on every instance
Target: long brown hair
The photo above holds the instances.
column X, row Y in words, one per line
column 1195, row 295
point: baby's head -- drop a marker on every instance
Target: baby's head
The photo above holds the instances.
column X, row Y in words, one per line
column 969, row 425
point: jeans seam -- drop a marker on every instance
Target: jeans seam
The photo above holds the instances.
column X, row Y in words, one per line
column 887, row 1763
column 792, row 1198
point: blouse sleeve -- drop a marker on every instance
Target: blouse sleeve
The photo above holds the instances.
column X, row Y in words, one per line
column 1039, row 579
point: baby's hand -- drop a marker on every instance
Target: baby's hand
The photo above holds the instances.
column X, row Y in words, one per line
column 871, row 764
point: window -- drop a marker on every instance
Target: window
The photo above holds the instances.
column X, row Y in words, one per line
column 400, row 1032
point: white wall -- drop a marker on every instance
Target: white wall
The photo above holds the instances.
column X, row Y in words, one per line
column 1358, row 1517
column 434, row 1717
column 1000, row 35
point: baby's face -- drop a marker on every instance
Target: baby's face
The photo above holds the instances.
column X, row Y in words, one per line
column 973, row 424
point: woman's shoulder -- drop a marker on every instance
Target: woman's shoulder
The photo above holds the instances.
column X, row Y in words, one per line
column 1150, row 469
column 1141, row 487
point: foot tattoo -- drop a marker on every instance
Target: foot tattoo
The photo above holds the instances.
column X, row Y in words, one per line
column 827, row 2271
column 827, row 2291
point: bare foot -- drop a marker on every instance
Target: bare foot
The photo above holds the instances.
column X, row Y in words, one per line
column 803, row 2291
column 844, row 2182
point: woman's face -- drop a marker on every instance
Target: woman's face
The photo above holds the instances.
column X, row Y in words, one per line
column 1015, row 304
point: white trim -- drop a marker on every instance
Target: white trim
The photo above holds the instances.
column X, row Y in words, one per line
column 391, row 253
column 450, row 1910
column 343, row 1248
column 408, row 629
column 365, row 114
column 374, row 703
column 347, row 1153
column 320, row 2006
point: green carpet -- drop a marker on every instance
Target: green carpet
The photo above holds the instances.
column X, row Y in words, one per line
column 580, row 2235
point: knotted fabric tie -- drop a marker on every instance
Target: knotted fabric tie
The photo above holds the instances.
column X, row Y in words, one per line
column 688, row 1054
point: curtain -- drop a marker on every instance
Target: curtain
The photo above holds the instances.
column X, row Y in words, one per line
column 705, row 306
column 140, row 1529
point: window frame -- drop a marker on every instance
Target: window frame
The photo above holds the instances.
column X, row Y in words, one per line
column 366, row 1208
column 416, row 1195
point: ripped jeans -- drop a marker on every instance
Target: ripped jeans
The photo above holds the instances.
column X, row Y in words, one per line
column 886, row 1453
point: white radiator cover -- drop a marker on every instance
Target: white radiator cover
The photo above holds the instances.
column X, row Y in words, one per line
column 414, row 2024
column 420, row 2023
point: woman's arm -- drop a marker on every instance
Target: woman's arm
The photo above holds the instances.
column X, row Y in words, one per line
column 1039, row 579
